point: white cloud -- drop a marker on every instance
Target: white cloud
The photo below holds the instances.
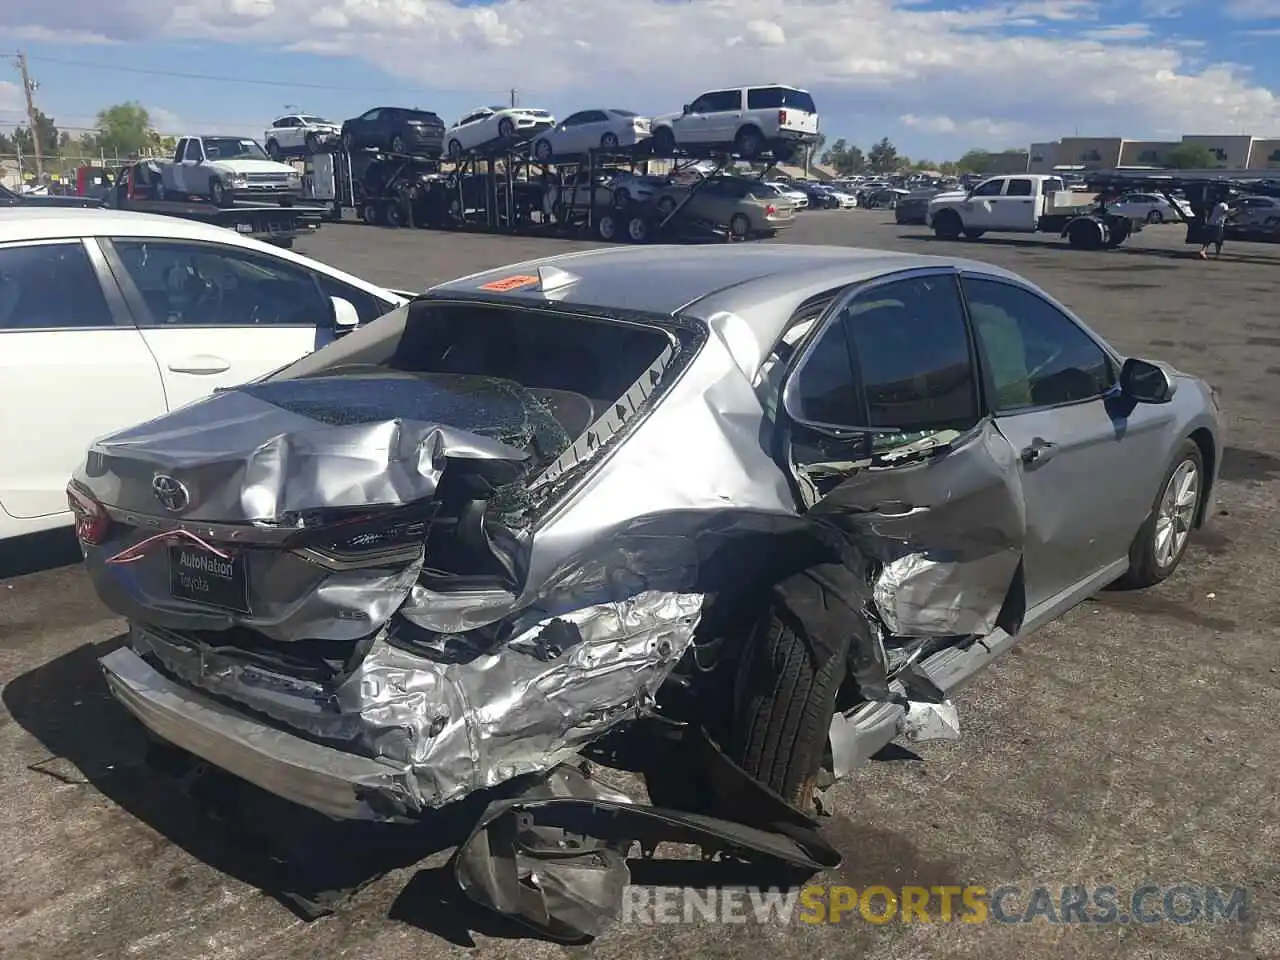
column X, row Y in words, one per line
column 10, row 98
column 1119, row 32
column 984, row 128
column 976, row 64
column 1253, row 10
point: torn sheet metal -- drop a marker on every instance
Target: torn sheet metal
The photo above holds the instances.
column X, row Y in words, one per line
column 554, row 858
column 458, row 727
column 931, row 721
column 948, row 529
column 270, row 452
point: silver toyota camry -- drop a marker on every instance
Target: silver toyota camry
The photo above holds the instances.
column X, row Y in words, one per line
column 789, row 497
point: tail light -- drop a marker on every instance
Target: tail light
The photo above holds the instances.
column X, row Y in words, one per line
column 770, row 210
column 92, row 521
column 782, row 118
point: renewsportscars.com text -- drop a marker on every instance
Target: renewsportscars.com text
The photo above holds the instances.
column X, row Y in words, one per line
column 973, row 904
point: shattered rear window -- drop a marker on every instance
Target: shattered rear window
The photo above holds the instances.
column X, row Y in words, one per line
column 489, row 407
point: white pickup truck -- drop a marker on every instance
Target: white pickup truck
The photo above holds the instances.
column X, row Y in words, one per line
column 223, row 170
column 1027, row 203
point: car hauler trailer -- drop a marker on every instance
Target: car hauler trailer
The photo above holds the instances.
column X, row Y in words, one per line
column 1202, row 190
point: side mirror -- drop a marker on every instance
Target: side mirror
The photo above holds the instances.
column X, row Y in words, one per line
column 686, row 109
column 1145, row 382
column 345, row 315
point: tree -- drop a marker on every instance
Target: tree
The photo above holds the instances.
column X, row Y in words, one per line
column 975, row 161
column 48, row 131
column 883, row 157
column 123, row 129
column 7, row 147
column 1191, row 156
column 843, row 158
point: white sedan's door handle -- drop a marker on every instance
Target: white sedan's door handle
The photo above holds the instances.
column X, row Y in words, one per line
column 201, row 363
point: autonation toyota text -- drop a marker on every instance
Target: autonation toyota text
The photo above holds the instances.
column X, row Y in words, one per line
column 1005, row 904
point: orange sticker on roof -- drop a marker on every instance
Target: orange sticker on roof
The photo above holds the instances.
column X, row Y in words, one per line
column 507, row 284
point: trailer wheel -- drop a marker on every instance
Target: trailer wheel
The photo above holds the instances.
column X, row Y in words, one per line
column 370, row 214
column 607, row 226
column 947, row 225
column 638, row 229
column 1085, row 235
column 395, row 215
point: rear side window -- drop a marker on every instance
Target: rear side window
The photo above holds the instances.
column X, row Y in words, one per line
column 50, row 286
column 912, row 355
column 779, row 98
column 1020, row 188
column 426, row 116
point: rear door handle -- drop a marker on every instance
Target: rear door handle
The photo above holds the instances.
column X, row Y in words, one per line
column 1037, row 452
column 202, row 365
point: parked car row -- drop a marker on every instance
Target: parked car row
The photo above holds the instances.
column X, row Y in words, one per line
column 751, row 121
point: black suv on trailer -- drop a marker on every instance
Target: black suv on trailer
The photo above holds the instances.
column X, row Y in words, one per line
column 419, row 133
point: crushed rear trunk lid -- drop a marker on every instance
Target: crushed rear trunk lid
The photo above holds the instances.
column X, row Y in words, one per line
column 301, row 508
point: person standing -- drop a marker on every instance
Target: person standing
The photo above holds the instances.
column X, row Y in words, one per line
column 1216, row 229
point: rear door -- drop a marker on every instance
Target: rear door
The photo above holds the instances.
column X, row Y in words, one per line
column 72, row 368
column 1090, row 464
column 217, row 315
column 1016, row 208
column 890, row 374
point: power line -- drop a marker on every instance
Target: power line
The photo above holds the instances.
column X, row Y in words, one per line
column 247, row 81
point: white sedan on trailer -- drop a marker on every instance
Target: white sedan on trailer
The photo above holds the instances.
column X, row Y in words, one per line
column 489, row 125
column 111, row 318
column 603, row 129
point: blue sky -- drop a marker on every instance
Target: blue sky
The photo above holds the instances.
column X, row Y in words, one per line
column 936, row 76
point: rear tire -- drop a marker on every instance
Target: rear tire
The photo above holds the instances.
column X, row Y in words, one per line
column 749, row 143
column 664, row 142
column 740, row 226
column 1150, row 560
column 273, row 150
column 974, row 234
column 783, row 705
column 1155, row 216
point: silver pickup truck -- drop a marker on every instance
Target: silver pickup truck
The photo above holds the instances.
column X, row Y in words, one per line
column 225, row 169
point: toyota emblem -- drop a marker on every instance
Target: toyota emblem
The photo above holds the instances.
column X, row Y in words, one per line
column 172, row 493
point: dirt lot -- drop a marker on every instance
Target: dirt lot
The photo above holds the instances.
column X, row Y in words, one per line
column 1131, row 742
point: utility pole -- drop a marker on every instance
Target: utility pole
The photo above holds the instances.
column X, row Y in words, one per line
column 514, row 91
column 29, row 88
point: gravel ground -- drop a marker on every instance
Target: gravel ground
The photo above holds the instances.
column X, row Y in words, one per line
column 1130, row 742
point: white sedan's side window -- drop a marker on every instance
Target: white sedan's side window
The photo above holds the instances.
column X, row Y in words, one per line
column 199, row 284
column 50, row 286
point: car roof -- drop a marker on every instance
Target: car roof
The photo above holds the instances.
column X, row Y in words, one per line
column 47, row 223
column 755, row 288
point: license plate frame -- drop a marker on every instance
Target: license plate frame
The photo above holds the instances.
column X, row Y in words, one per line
column 198, row 576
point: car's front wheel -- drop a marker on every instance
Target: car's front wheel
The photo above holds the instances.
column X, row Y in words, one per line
column 1161, row 542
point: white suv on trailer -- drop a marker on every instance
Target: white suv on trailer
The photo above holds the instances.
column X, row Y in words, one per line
column 747, row 120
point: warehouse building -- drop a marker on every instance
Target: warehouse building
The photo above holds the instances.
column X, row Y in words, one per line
column 1232, row 152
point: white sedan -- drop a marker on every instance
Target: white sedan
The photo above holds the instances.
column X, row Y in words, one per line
column 110, row 318
column 489, row 125
column 1150, row 207
column 605, row 129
